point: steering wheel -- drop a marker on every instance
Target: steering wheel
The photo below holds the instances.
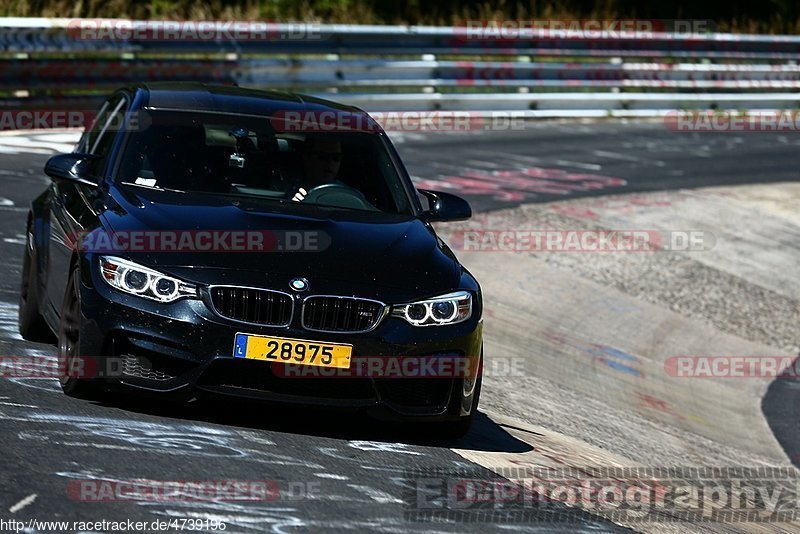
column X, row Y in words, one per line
column 338, row 195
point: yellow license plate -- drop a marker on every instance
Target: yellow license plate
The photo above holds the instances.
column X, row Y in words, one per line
column 296, row 351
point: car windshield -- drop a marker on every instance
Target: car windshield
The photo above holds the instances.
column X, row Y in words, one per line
column 250, row 156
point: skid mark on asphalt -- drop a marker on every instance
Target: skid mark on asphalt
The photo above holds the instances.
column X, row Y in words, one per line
column 175, row 439
column 33, row 360
column 202, row 440
column 50, row 385
column 255, row 516
column 288, row 508
column 131, row 437
column 187, row 438
column 277, row 520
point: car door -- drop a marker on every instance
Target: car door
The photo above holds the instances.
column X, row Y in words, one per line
column 70, row 207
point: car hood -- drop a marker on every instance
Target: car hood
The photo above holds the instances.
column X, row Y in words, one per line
column 356, row 252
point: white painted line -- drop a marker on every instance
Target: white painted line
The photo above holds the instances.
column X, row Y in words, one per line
column 482, row 163
column 23, row 503
column 18, row 405
column 99, row 446
column 69, row 138
column 626, row 157
column 255, row 438
column 26, row 150
column 73, row 134
column 587, row 166
column 440, row 165
column 507, row 155
column 331, row 476
column 380, row 446
column 13, row 208
column 376, row 495
column 36, row 143
column 25, row 378
column 614, row 155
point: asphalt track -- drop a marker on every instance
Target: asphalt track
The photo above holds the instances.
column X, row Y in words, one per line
column 342, row 473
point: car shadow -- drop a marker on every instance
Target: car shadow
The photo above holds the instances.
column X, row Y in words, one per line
column 484, row 435
column 780, row 409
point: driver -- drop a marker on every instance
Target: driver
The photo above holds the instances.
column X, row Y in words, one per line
column 321, row 161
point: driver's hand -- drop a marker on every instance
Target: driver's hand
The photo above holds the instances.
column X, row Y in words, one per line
column 300, row 195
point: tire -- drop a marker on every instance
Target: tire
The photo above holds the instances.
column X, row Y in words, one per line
column 32, row 326
column 69, row 343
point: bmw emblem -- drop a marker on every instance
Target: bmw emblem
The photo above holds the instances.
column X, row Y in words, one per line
column 299, row 284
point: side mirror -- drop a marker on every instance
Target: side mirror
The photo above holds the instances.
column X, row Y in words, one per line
column 446, row 207
column 73, row 167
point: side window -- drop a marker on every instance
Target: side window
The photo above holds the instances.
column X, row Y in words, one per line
column 109, row 124
column 104, row 131
column 88, row 137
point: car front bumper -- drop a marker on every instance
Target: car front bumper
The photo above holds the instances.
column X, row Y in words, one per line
column 184, row 350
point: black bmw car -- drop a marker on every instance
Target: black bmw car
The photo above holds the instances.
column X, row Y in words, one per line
column 207, row 241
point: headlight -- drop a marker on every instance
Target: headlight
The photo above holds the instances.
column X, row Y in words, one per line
column 137, row 280
column 447, row 309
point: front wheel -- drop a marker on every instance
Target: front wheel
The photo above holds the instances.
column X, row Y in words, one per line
column 73, row 370
column 32, row 326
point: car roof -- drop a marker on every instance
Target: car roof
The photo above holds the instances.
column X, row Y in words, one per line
column 231, row 99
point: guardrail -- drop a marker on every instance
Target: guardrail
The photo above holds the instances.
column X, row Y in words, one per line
column 51, row 62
